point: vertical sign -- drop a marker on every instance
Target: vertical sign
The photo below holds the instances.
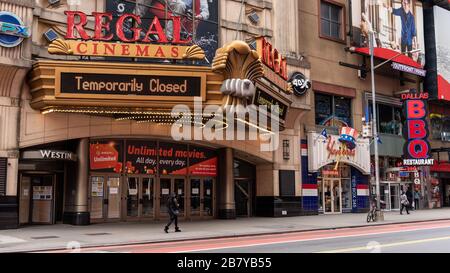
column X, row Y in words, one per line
column 417, row 148
column 354, row 195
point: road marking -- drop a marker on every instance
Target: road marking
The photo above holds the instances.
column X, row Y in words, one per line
column 305, row 240
column 344, row 250
column 10, row 240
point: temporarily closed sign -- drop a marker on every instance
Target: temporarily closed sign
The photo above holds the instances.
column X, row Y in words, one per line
column 139, row 85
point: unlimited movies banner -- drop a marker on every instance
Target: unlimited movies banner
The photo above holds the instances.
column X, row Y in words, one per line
column 151, row 158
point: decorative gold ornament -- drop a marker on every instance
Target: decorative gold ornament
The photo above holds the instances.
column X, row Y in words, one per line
column 60, row 47
column 194, row 52
column 239, row 63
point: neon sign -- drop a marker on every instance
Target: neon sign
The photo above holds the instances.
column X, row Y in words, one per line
column 417, row 148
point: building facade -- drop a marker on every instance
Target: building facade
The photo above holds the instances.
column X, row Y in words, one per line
column 335, row 42
column 436, row 15
column 90, row 134
column 94, row 141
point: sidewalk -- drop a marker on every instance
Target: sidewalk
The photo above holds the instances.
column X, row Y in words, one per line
column 59, row 236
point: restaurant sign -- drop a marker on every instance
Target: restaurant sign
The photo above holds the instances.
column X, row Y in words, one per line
column 417, row 149
column 323, row 151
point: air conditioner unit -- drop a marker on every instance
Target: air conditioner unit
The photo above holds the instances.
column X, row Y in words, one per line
column 254, row 18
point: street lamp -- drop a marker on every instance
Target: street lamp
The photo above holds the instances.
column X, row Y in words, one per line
column 374, row 109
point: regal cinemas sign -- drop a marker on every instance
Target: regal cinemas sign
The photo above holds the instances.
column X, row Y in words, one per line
column 123, row 37
column 275, row 65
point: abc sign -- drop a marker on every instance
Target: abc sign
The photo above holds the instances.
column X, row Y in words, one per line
column 300, row 83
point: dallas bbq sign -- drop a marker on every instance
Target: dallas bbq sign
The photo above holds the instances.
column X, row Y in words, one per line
column 128, row 29
column 417, row 148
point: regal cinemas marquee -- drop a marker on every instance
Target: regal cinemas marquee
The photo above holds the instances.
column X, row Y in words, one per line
column 106, row 99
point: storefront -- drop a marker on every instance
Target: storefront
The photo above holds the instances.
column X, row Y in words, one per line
column 113, row 106
column 338, row 179
column 439, row 185
column 134, row 183
column 396, row 179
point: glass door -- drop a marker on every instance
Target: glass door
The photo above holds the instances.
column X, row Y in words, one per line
column 165, row 185
column 97, row 198
column 42, row 203
column 195, row 197
column 147, row 197
column 132, row 198
column 332, row 196
column 208, row 198
column 168, row 186
column 395, row 196
column 242, row 196
column 179, row 188
column 114, row 198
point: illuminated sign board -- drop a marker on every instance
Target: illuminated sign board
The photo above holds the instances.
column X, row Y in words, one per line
column 417, row 148
column 12, row 30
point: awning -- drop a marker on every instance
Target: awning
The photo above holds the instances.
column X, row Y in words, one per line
column 443, row 88
column 442, row 167
column 399, row 62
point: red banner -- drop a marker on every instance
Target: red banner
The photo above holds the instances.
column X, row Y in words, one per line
column 205, row 168
column 104, row 156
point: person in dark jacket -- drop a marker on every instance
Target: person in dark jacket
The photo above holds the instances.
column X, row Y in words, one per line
column 409, row 195
column 174, row 209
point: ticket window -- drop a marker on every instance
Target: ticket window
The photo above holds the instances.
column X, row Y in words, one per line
column 37, row 199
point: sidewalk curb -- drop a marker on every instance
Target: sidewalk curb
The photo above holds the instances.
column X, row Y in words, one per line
column 231, row 236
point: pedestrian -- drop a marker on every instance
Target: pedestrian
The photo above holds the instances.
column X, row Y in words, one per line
column 174, row 209
column 409, row 195
column 416, row 199
column 404, row 202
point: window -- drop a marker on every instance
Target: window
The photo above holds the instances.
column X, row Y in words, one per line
column 331, row 20
column 287, row 183
column 333, row 111
column 3, row 165
column 440, row 127
column 390, row 119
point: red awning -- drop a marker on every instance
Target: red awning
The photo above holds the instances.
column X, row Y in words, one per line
column 386, row 54
column 443, row 88
column 443, row 167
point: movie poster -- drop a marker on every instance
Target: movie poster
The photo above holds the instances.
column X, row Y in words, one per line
column 106, row 156
column 398, row 25
column 199, row 20
column 442, row 23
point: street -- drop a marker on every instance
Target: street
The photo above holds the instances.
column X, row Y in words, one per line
column 424, row 237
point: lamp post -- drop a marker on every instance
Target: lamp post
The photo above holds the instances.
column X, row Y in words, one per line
column 374, row 119
column 374, row 124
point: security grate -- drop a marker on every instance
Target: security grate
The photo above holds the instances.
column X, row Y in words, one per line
column 3, row 169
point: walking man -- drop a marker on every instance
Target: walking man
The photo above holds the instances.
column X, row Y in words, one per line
column 174, row 209
column 405, row 203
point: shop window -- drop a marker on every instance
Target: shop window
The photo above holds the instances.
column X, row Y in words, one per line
column 3, row 169
column 287, row 183
column 390, row 119
column 333, row 111
column 440, row 127
column 331, row 16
